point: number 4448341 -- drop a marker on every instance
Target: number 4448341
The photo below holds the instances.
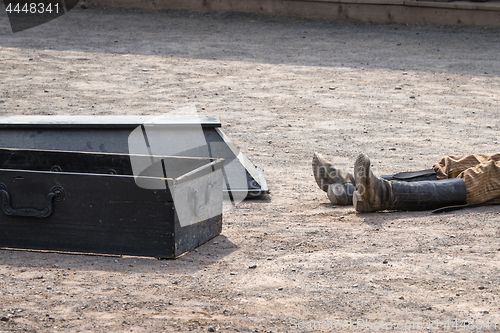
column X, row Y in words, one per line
column 32, row 8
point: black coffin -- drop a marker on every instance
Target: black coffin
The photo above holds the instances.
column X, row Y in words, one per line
column 92, row 203
column 194, row 136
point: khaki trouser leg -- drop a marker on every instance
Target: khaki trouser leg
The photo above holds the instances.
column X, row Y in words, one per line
column 481, row 174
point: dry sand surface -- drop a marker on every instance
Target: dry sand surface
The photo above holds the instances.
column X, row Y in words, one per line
column 283, row 88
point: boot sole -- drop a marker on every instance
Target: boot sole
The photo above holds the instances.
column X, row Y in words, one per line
column 359, row 203
column 361, row 170
column 320, row 175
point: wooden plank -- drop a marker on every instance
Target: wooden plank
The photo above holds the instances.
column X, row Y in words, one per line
column 383, row 11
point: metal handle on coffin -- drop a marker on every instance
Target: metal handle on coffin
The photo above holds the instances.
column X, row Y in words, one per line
column 56, row 194
column 193, row 197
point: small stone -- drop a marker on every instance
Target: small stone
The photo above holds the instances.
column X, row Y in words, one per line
column 287, row 151
column 56, row 266
column 49, row 287
column 232, row 273
column 45, row 90
column 280, row 288
column 486, row 312
column 398, row 88
column 39, row 277
column 354, row 286
column 252, row 266
column 392, row 148
column 385, row 261
column 4, row 319
column 401, row 297
column 411, row 158
column 481, row 288
column 175, row 282
column 170, row 303
column 332, row 88
column 211, row 329
column 405, row 73
column 452, row 236
column 412, row 97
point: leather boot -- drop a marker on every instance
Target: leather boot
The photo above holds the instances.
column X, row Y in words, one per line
column 374, row 193
column 326, row 174
column 340, row 184
column 341, row 195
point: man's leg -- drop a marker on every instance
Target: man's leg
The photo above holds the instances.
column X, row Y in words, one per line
column 375, row 193
column 340, row 185
column 452, row 166
column 483, row 183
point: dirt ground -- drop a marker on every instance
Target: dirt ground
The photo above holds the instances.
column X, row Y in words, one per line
column 283, row 88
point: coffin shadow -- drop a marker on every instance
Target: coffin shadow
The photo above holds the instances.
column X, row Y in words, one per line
column 197, row 259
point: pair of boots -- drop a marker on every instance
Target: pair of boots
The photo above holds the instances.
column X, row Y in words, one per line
column 403, row 191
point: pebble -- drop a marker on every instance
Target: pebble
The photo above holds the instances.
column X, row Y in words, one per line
column 280, row 288
column 56, row 266
column 332, row 88
column 486, row 312
column 481, row 288
column 39, row 277
column 385, row 261
column 405, row 73
column 4, row 319
column 392, row 148
column 401, row 297
column 175, row 282
column 398, row 88
column 211, row 329
column 232, row 273
column 412, row 96
column 252, row 266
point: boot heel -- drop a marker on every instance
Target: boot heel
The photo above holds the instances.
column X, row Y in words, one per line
column 359, row 203
column 340, row 195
